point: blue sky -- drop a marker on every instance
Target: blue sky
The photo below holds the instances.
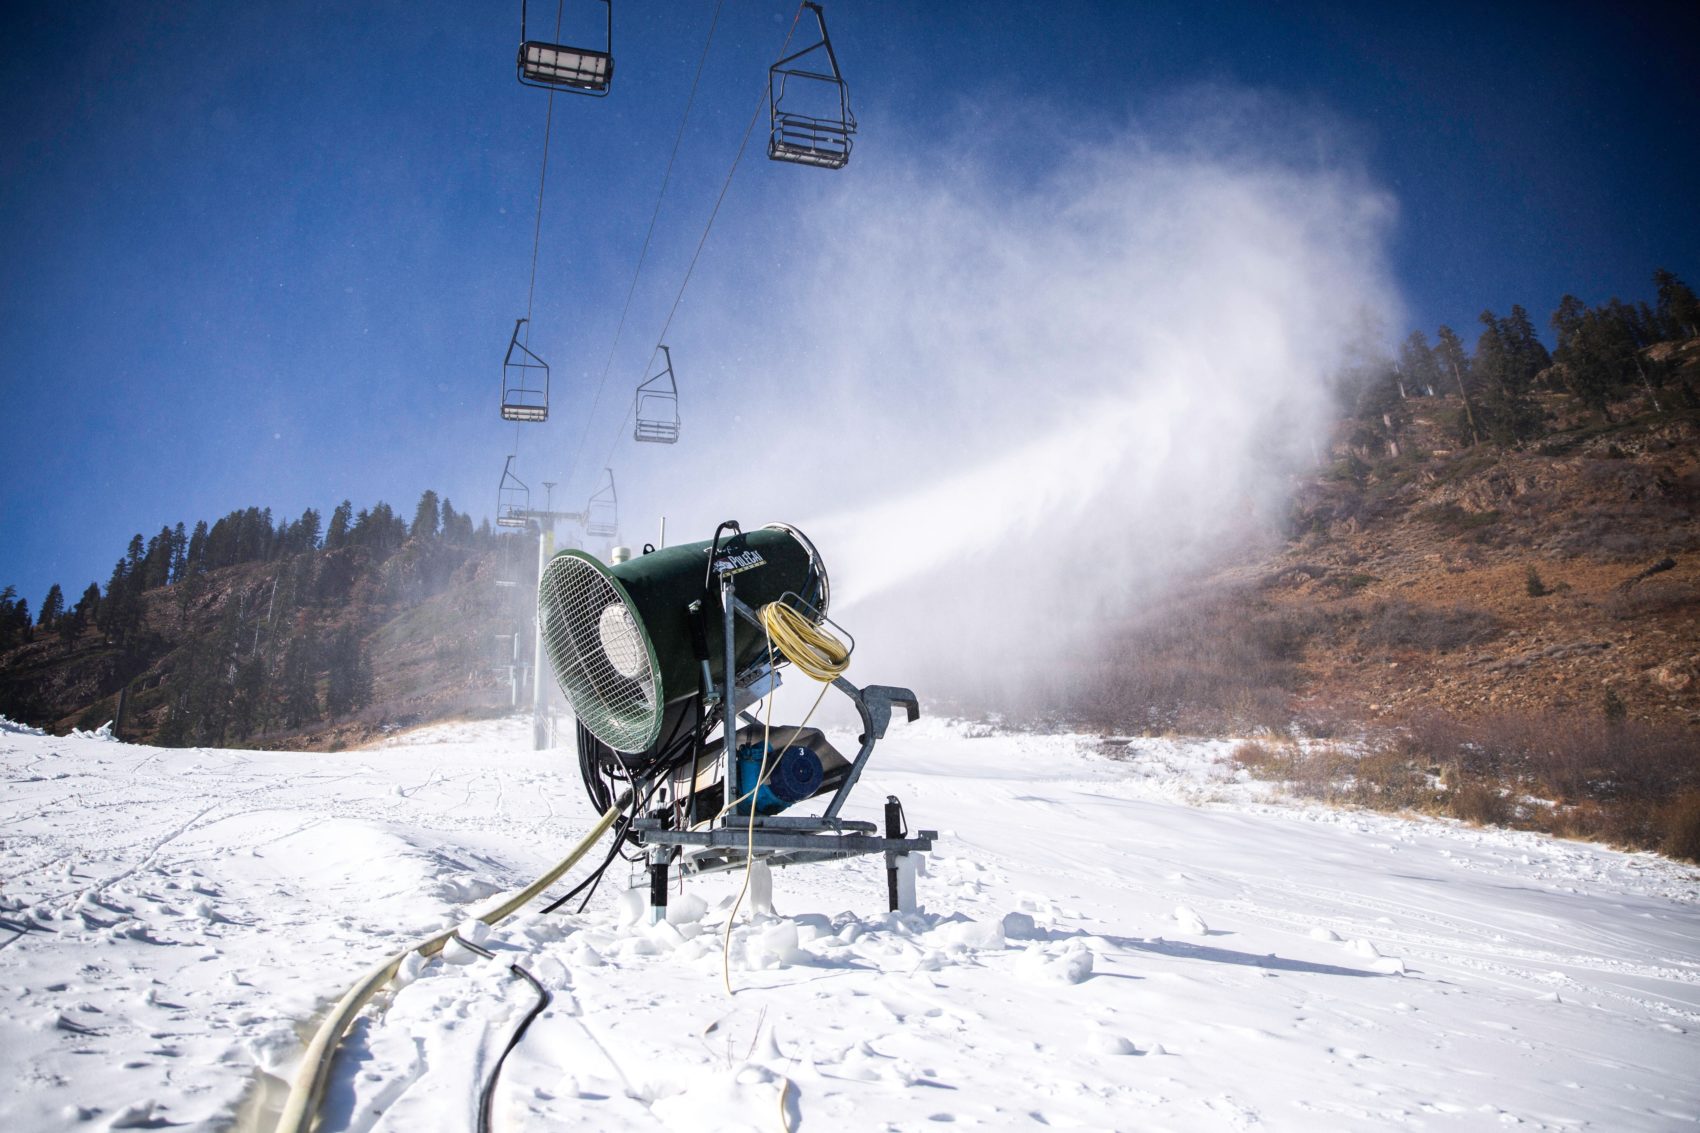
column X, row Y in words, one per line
column 269, row 254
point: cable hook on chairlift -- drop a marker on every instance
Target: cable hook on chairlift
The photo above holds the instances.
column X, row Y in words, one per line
column 809, row 115
column 513, row 499
column 556, row 66
column 602, row 513
column 657, row 405
column 525, row 381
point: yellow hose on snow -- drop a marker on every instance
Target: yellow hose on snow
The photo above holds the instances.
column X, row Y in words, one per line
column 308, row 1090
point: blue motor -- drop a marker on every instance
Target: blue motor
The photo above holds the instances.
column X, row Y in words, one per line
column 794, row 775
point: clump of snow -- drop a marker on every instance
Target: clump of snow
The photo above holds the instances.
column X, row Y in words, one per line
column 1042, row 964
column 686, row 908
column 1190, row 922
column 18, row 729
column 1107, row 1042
column 102, row 734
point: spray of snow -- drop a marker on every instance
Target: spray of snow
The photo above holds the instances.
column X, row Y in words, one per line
column 1008, row 412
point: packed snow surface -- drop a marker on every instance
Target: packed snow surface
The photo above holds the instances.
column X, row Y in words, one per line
column 1113, row 936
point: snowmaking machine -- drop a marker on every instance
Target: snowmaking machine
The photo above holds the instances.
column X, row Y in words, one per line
column 659, row 653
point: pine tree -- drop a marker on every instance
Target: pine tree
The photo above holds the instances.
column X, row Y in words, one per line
column 247, row 693
column 89, row 603
column 156, row 563
column 1505, row 367
column 1419, row 373
column 116, row 614
column 1597, row 352
column 1679, row 310
column 348, row 685
column 1379, row 409
column 195, row 561
column 73, row 623
column 337, row 534
column 1527, row 353
column 425, row 516
column 179, row 553
column 14, row 618
column 52, row 607
column 18, row 631
column 300, row 700
column 1450, row 357
column 304, row 532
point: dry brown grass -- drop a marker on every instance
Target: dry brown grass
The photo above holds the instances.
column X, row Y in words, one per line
column 1679, row 824
column 1631, row 785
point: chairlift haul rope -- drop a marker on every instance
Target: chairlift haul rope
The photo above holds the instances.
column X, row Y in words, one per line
column 810, row 136
column 690, row 269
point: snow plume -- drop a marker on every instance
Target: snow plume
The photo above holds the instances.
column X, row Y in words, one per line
column 1010, row 413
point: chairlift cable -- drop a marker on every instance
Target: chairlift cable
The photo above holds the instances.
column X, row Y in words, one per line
column 695, row 256
column 537, row 225
column 643, row 254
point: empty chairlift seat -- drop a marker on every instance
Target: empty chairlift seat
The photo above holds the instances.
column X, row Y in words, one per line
column 525, row 382
column 557, row 66
column 809, row 107
column 657, row 408
column 602, row 513
column 513, row 499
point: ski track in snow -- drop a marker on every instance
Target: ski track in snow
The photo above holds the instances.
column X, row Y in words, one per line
column 1112, row 937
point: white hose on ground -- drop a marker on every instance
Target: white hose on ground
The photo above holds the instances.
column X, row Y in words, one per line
column 308, row 1089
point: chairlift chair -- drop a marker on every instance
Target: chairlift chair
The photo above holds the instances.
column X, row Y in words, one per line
column 657, row 406
column 602, row 513
column 809, row 111
column 525, row 382
column 555, row 66
column 513, row 499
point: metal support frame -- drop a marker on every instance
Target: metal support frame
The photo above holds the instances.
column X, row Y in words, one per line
column 791, row 839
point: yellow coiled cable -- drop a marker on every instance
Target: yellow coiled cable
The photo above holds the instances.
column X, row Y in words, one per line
column 806, row 645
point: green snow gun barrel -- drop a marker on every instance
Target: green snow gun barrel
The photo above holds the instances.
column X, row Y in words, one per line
column 628, row 641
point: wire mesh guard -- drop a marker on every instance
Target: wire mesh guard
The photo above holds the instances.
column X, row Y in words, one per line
column 513, row 498
column 556, row 66
column 809, row 116
column 525, row 381
column 602, row 513
column 603, row 660
column 657, row 408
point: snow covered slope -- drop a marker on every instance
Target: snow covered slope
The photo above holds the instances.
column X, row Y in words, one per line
column 1108, row 943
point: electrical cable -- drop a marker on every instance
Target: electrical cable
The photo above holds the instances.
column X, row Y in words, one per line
column 814, row 650
column 622, row 825
column 761, row 775
column 308, row 1088
column 487, row 1096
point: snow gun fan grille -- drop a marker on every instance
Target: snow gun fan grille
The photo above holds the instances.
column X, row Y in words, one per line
column 602, row 657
